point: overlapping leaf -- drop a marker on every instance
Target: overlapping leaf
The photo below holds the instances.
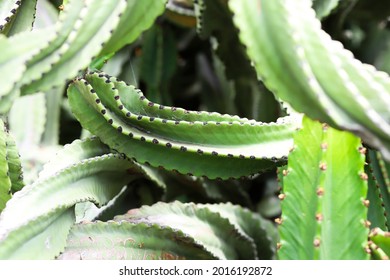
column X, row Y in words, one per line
column 30, row 222
column 297, row 60
column 136, row 18
column 382, row 240
column 225, row 231
column 129, row 241
column 222, row 145
column 324, row 7
column 8, row 9
column 11, row 177
column 46, row 58
column 378, row 193
column 324, row 196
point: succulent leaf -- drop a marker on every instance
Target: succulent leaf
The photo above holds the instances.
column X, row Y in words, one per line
column 378, row 194
column 94, row 176
column 224, row 230
column 8, row 10
column 136, row 18
column 324, row 189
column 357, row 99
column 324, row 7
column 128, row 241
column 124, row 119
column 5, row 181
column 24, row 17
column 381, row 239
column 81, row 32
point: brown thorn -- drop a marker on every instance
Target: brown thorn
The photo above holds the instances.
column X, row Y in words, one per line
column 279, row 221
column 320, row 191
column 367, row 224
column 323, row 166
column 362, row 150
column 363, row 176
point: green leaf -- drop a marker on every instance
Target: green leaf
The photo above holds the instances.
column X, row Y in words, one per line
column 5, row 181
column 24, row 17
column 99, row 62
column 46, row 234
column 260, row 231
column 35, row 210
column 324, row 7
column 378, row 194
column 215, row 20
column 124, row 240
column 82, row 29
column 223, row 146
column 158, row 61
column 46, row 14
column 297, row 60
column 136, row 18
column 27, row 122
column 210, row 226
column 381, row 239
column 53, row 101
column 14, row 164
column 8, row 9
column 15, row 52
column 324, row 189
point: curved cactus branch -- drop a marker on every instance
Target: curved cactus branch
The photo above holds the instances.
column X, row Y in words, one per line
column 324, row 207
column 136, row 18
column 129, row 241
column 381, row 239
column 303, row 66
column 40, row 215
column 378, row 193
column 8, row 10
column 224, row 230
column 222, row 146
column 11, row 177
column 45, row 58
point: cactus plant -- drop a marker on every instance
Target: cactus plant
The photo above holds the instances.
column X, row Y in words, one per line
column 169, row 129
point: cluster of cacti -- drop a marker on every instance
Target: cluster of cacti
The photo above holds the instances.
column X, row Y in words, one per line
column 187, row 168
